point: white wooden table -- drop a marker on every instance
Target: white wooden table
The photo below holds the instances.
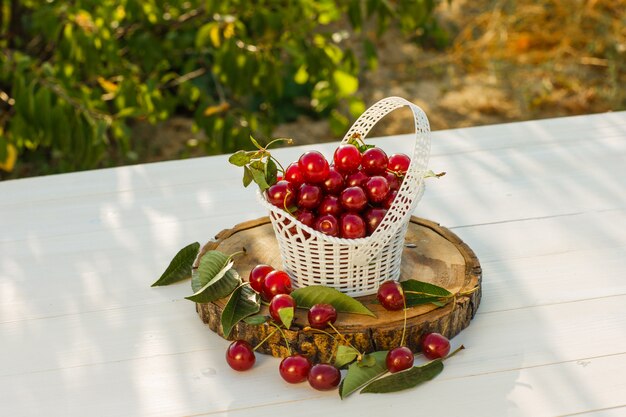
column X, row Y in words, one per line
column 542, row 203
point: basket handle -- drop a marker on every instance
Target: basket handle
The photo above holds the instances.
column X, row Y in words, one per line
column 412, row 187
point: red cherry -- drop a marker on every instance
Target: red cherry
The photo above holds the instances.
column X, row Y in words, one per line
column 309, row 196
column 392, row 180
column 320, row 315
column 314, row 167
column 257, row 276
column 373, row 217
column 281, row 194
column 280, row 301
column 294, row 175
column 435, row 346
column 294, row 369
column 306, row 217
column 347, row 159
column 328, row 225
column 353, row 199
column 324, row 377
column 352, row 226
column 276, row 282
column 374, row 161
column 391, row 296
column 389, row 200
column 399, row 359
column 334, row 182
column 357, row 179
column 399, row 162
column 330, row 205
column 240, row 355
column 376, row 189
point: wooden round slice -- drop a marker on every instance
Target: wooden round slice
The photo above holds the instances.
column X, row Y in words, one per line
column 432, row 253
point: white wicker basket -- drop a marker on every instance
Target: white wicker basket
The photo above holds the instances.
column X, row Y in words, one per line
column 356, row 266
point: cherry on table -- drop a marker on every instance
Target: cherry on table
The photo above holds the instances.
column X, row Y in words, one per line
column 327, row 224
column 276, row 282
column 240, row 355
column 357, row 179
column 320, row 315
column 330, row 205
column 399, row 162
column 399, row 359
column 353, row 199
column 257, row 276
column 334, row 183
column 282, row 194
column 347, row 158
column 294, row 369
column 280, row 301
column 374, row 161
column 376, row 188
column 324, row 377
column 435, row 346
column 314, row 167
column 293, row 174
column 309, row 196
column 390, row 295
column 352, row 226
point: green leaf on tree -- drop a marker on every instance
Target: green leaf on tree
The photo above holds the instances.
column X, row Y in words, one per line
column 286, row 316
column 359, row 376
column 180, row 267
column 419, row 292
column 255, row 320
column 406, row 379
column 307, row 297
column 345, row 355
column 240, row 158
column 242, row 303
column 214, row 278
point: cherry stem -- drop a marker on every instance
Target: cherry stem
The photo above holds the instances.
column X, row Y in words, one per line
column 265, row 340
column 232, row 255
column 404, row 324
column 288, row 140
column 468, row 292
column 311, row 329
column 343, row 338
column 457, row 350
column 284, row 337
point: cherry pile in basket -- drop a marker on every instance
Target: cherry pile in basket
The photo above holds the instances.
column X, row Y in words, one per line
column 347, row 198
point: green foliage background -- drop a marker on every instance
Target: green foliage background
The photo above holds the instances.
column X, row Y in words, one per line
column 74, row 75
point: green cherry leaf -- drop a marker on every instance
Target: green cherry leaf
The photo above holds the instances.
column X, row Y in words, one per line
column 367, row 361
column 406, row 379
column 255, row 320
column 359, row 376
column 345, row 355
column 286, row 316
column 419, row 292
column 214, row 278
column 242, row 303
column 240, row 158
column 247, row 176
column 307, row 297
column 180, row 267
column 258, row 176
column 255, row 143
column 271, row 172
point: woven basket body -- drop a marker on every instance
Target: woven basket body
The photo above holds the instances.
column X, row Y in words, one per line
column 356, row 266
